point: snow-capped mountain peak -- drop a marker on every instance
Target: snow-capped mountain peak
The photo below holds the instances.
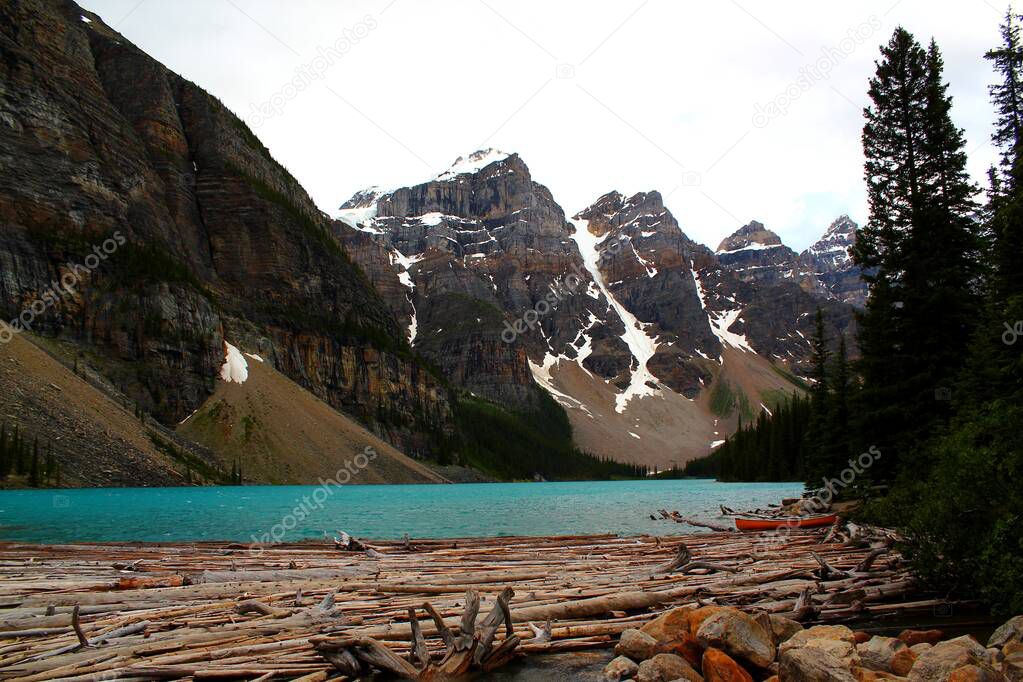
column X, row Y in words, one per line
column 473, row 163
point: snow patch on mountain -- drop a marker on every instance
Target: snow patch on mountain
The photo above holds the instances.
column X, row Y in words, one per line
column 473, row 163
column 642, row 346
column 235, row 367
column 752, row 246
column 720, row 321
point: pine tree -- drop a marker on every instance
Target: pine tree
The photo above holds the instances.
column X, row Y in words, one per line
column 18, row 450
column 1007, row 97
column 33, row 472
column 817, row 436
column 51, row 464
column 5, row 461
column 839, row 448
column 922, row 250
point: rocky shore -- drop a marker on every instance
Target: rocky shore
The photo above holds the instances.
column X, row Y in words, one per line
column 723, row 644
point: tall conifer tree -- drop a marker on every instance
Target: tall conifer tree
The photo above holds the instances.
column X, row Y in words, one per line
column 921, row 246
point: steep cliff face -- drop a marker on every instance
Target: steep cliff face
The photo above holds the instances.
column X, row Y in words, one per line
column 653, row 343
column 757, row 255
column 478, row 249
column 214, row 239
column 828, row 264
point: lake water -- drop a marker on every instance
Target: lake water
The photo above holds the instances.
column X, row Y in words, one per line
column 293, row 513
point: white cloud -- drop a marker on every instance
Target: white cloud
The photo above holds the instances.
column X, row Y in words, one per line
column 656, row 89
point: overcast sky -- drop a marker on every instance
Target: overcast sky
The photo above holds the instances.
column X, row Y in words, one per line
column 632, row 95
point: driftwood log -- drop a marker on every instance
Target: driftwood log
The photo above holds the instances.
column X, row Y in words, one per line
column 474, row 648
column 246, row 615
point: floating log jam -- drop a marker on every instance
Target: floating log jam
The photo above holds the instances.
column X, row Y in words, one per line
column 328, row 611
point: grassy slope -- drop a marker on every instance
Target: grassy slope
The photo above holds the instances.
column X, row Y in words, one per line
column 95, row 440
column 281, row 433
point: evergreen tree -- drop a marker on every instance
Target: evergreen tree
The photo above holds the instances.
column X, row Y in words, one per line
column 33, row 472
column 817, row 436
column 1007, row 97
column 18, row 450
column 51, row 464
column 839, row 446
column 921, row 248
column 961, row 515
column 5, row 461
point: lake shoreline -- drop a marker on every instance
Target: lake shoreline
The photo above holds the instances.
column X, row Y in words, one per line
column 211, row 608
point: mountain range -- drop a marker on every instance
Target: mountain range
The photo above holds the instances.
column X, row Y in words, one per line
column 399, row 320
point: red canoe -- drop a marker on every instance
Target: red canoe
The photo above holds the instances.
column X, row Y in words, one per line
column 790, row 522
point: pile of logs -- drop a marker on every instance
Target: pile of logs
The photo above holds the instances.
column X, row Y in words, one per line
column 329, row 611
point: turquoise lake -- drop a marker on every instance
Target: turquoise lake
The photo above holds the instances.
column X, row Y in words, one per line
column 292, row 513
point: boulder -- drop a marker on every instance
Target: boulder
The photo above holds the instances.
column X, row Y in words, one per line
column 621, row 668
column 669, row 626
column 697, row 616
column 687, row 647
column 843, row 651
column 832, row 632
column 636, row 645
column 867, row 675
column 1010, row 631
column 738, row 635
column 804, row 664
column 920, row 648
column 861, row 637
column 976, row 673
column 877, row 653
column 937, row 663
column 666, row 668
column 911, row 637
column 672, row 631
column 1012, row 661
column 783, row 628
column 720, row 667
column 904, row 660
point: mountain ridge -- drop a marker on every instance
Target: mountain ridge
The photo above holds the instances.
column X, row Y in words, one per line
column 649, row 316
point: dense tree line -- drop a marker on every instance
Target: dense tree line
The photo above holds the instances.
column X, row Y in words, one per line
column 525, row 445
column 22, row 457
column 772, row 448
column 937, row 392
column 945, row 393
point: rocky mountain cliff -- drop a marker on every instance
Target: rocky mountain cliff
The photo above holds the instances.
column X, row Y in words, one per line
column 204, row 237
column 146, row 229
column 826, row 269
column 828, row 263
column 652, row 342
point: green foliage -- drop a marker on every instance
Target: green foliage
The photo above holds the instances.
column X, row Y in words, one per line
column 23, row 460
column 966, row 519
column 33, row 470
column 958, row 497
column 191, row 462
column 771, row 449
column 921, row 247
column 725, row 400
column 521, row 445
